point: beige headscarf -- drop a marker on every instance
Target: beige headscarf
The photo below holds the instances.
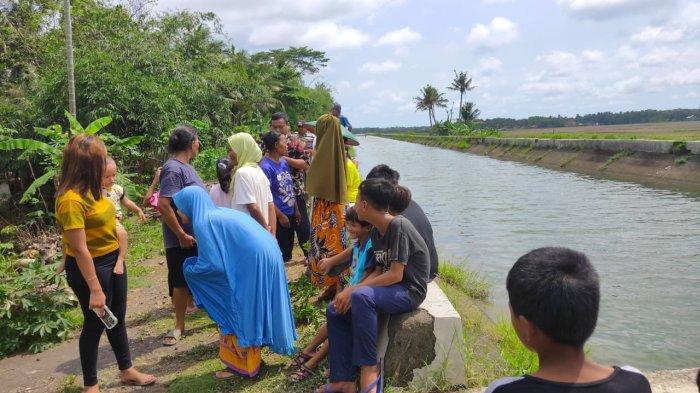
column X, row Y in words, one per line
column 326, row 176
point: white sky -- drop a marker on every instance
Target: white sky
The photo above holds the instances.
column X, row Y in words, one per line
column 527, row 57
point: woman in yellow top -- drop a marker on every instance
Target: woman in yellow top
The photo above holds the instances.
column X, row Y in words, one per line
column 352, row 180
column 87, row 223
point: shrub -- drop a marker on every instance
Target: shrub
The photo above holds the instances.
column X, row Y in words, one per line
column 33, row 307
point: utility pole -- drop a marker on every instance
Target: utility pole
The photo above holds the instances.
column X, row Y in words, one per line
column 69, row 56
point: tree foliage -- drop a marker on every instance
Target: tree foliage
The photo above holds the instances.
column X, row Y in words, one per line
column 147, row 72
column 461, row 83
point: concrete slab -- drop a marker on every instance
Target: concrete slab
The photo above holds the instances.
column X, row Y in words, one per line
column 447, row 330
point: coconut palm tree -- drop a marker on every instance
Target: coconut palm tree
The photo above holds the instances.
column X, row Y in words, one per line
column 468, row 112
column 461, row 83
column 428, row 99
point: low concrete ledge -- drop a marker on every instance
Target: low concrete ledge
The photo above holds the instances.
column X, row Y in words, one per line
column 693, row 147
column 611, row 145
column 425, row 344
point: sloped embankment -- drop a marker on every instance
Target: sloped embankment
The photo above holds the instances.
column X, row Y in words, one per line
column 666, row 164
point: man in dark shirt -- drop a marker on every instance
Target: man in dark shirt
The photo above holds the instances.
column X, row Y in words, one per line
column 413, row 213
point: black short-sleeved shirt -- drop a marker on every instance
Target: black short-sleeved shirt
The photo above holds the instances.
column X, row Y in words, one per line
column 417, row 217
column 403, row 243
column 623, row 380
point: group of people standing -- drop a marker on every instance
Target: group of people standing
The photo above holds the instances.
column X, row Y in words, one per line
column 226, row 247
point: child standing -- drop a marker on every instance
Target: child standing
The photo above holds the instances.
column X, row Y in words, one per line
column 219, row 192
column 554, row 296
column 361, row 265
column 115, row 194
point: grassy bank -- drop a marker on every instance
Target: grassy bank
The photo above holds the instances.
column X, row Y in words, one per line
column 677, row 131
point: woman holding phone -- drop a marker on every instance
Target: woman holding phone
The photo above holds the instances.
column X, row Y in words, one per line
column 88, row 226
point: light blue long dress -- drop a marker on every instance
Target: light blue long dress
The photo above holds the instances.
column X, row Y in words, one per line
column 238, row 277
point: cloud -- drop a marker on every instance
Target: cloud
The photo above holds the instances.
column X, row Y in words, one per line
column 323, row 35
column 343, row 85
column 600, row 9
column 684, row 26
column 366, row 85
column 655, row 34
column 658, row 57
column 500, row 31
column 321, row 23
column 376, row 68
column 489, row 65
column 398, row 37
column 592, row 56
column 495, row 1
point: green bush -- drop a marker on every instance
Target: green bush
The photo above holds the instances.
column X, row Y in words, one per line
column 33, row 307
column 306, row 311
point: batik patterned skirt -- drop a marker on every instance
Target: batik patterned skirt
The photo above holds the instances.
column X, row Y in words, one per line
column 328, row 238
column 243, row 361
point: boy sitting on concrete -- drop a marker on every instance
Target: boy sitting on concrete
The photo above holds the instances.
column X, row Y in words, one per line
column 554, row 297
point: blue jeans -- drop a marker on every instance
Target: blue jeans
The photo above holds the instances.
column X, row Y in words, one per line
column 353, row 336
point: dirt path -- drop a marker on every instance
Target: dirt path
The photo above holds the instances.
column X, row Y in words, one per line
column 148, row 319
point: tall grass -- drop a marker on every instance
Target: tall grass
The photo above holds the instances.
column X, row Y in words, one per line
column 467, row 281
column 518, row 359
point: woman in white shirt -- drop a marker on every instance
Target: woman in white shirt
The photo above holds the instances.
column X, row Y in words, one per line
column 220, row 192
column 250, row 187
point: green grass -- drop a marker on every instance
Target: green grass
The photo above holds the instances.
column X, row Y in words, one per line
column 469, row 282
column 145, row 238
column 518, row 359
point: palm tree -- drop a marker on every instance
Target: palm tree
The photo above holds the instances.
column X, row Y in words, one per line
column 468, row 112
column 461, row 83
column 69, row 56
column 428, row 99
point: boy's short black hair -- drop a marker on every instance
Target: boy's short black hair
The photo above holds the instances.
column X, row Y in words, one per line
column 383, row 171
column 351, row 215
column 556, row 289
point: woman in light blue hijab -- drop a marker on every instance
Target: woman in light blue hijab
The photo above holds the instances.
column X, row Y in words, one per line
column 238, row 278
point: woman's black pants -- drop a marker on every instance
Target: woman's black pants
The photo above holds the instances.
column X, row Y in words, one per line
column 114, row 287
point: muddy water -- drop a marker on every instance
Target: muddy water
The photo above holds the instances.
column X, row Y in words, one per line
column 644, row 242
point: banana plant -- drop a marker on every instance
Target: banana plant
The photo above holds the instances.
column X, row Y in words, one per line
column 51, row 151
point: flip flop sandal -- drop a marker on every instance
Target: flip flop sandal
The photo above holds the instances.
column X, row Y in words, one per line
column 224, row 374
column 172, row 338
column 300, row 360
column 301, row 374
column 133, row 382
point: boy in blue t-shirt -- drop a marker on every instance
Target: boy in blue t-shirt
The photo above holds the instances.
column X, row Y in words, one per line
column 554, row 297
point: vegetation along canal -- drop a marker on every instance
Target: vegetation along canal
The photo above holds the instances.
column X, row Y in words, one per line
column 644, row 242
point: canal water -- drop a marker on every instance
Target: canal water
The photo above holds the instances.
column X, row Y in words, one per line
column 645, row 243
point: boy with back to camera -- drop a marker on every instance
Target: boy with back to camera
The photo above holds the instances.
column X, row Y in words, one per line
column 554, row 297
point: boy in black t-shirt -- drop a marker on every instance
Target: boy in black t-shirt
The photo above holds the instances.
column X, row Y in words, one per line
column 397, row 285
column 554, row 297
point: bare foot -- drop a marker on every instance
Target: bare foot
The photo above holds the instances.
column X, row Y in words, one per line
column 133, row 377
column 337, row 387
column 91, row 389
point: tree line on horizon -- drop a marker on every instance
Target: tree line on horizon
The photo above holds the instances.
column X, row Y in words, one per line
column 600, row 118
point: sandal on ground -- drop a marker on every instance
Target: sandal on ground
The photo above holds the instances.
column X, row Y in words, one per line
column 172, row 338
column 301, row 373
column 133, row 382
column 300, row 360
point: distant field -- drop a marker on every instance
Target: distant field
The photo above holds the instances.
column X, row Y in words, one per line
column 679, row 131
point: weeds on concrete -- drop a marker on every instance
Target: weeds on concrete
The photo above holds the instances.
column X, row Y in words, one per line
column 681, row 160
column 569, row 161
column 614, row 158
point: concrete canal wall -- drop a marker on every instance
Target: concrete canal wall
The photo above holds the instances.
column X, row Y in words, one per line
column 665, row 164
